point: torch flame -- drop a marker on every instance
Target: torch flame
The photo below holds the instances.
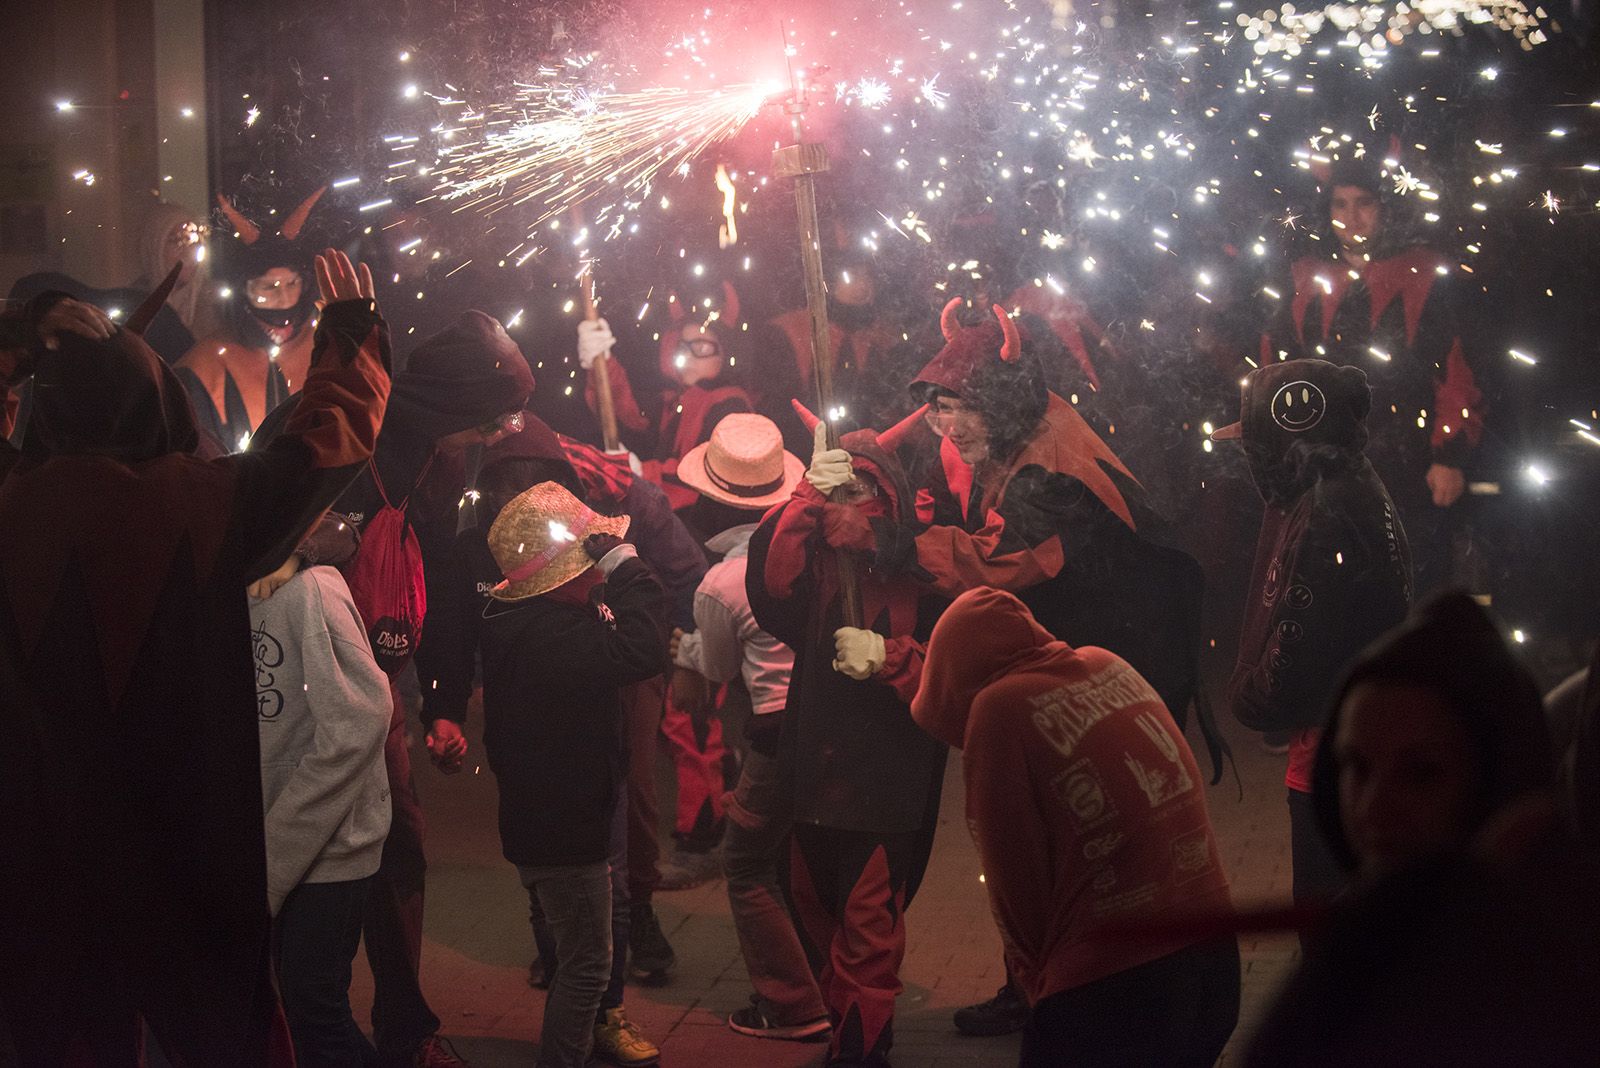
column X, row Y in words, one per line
column 728, row 233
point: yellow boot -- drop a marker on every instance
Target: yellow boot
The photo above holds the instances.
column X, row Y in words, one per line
column 619, row 1041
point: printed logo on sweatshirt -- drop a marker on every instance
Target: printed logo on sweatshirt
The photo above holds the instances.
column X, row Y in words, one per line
column 1160, row 784
column 1191, row 855
column 269, row 655
column 1085, row 799
column 1067, row 713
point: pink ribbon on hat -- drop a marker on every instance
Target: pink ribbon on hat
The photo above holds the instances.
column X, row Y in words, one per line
column 540, row 560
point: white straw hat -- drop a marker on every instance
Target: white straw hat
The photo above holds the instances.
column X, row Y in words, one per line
column 743, row 464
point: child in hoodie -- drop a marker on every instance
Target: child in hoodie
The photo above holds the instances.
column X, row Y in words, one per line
column 1090, row 819
column 323, row 707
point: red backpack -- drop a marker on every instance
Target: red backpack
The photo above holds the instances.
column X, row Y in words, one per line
column 386, row 581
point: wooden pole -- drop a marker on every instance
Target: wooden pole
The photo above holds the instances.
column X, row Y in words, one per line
column 803, row 162
column 600, row 372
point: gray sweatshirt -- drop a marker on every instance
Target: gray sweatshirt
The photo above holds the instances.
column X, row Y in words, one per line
column 324, row 712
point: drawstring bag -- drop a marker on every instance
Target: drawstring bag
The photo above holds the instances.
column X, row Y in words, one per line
column 386, row 582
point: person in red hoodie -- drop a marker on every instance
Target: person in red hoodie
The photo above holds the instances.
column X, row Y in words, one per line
column 1089, row 814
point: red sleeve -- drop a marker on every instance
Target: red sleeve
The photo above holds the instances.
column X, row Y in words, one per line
column 342, row 403
column 994, row 556
column 789, row 554
column 902, row 666
column 1011, row 832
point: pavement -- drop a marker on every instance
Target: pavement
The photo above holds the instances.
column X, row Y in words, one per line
column 478, row 946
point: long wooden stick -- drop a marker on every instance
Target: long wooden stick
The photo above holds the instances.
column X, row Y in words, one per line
column 803, row 162
column 600, row 371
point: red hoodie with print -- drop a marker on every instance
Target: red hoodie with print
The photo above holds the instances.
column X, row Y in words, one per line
column 1086, row 804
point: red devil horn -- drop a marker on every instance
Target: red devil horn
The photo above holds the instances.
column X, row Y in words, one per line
column 248, row 231
column 1012, row 349
column 806, row 416
column 730, row 307
column 675, row 309
column 891, row 439
column 152, row 304
column 297, row 218
column 948, row 323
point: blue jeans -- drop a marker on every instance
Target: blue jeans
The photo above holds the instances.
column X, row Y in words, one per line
column 621, row 919
column 314, row 939
column 576, row 899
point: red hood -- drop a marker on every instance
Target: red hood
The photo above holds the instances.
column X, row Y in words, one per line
column 984, row 634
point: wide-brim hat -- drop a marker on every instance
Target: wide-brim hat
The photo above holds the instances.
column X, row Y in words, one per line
column 742, row 464
column 537, row 540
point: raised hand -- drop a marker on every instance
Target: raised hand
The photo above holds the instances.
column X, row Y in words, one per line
column 74, row 317
column 338, row 279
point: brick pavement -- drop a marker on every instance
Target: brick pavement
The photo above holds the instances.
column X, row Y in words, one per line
column 478, row 945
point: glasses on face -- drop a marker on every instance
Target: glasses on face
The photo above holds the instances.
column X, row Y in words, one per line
column 702, row 348
column 509, row 423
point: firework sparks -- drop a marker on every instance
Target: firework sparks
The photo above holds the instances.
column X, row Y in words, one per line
column 556, row 147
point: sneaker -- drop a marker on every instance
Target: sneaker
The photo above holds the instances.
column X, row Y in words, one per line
column 436, row 1052
column 754, row 1020
column 685, row 870
column 1002, row 1014
column 618, row 1041
column 650, row 952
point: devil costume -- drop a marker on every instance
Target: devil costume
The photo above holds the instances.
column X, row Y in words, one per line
column 132, row 864
column 1062, row 524
column 234, row 378
column 865, row 781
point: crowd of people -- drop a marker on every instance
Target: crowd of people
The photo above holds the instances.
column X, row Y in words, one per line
column 219, row 502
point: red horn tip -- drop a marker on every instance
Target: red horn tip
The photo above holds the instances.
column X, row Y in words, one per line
column 1011, row 350
column 895, row 436
column 807, row 416
column 948, row 323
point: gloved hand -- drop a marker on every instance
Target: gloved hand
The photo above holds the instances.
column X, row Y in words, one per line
column 608, row 552
column 830, row 468
column 844, row 527
column 857, row 653
column 594, row 340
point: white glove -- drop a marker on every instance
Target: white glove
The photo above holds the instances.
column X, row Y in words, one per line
column 858, row 653
column 830, row 468
column 616, row 557
column 594, row 340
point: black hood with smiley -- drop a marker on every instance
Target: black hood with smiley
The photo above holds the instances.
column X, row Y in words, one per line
column 1300, row 419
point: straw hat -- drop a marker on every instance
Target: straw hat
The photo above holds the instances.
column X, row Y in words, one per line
column 743, row 464
column 537, row 541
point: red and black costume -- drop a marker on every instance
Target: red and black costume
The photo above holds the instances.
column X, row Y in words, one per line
column 865, row 780
column 1064, row 525
column 1395, row 319
column 132, row 862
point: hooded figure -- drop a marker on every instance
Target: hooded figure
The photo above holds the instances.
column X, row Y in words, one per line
column 467, row 383
column 132, row 864
column 1089, row 812
column 1332, row 572
column 865, row 781
column 1481, row 947
column 1451, row 648
column 258, row 358
column 1051, row 514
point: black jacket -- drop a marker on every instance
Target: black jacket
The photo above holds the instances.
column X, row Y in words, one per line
column 1332, row 569
column 857, row 760
column 553, row 722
